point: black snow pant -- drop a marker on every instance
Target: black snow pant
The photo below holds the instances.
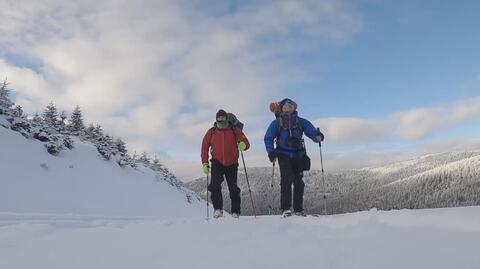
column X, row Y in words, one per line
column 230, row 173
column 290, row 173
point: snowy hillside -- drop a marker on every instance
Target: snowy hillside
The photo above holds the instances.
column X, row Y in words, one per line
column 432, row 181
column 80, row 182
column 420, row 239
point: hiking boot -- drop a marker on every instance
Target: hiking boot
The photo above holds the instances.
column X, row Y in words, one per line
column 218, row 213
column 300, row 214
column 287, row 213
column 235, row 215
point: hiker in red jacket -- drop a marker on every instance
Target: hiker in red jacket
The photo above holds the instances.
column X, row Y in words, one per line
column 224, row 141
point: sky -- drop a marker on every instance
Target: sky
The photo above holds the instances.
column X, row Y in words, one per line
column 384, row 80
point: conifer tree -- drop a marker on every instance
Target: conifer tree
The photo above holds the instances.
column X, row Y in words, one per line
column 5, row 102
column 50, row 117
column 76, row 122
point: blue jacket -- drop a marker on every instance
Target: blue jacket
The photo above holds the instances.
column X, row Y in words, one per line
column 284, row 145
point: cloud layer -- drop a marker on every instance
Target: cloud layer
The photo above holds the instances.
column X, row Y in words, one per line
column 145, row 68
column 412, row 125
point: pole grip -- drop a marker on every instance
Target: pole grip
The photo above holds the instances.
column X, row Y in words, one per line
column 318, row 133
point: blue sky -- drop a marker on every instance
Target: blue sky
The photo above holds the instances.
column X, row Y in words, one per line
column 423, row 55
column 385, row 80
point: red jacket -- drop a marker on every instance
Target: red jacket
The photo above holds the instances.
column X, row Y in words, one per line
column 223, row 144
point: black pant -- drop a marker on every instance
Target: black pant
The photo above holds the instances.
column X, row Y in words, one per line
column 290, row 173
column 230, row 173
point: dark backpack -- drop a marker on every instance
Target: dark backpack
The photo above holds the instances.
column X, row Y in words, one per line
column 234, row 122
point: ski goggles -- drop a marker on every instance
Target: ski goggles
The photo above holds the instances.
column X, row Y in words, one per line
column 289, row 102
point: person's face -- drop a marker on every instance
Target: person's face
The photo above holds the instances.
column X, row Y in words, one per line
column 221, row 118
column 288, row 108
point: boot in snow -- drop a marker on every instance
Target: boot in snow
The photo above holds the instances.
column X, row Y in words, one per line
column 235, row 215
column 218, row 213
column 300, row 214
column 287, row 213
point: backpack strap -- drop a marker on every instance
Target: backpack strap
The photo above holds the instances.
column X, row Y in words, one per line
column 300, row 122
column 298, row 125
column 280, row 123
column 235, row 133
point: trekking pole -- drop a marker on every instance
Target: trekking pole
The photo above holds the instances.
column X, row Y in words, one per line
column 248, row 184
column 323, row 177
column 208, row 205
column 271, row 200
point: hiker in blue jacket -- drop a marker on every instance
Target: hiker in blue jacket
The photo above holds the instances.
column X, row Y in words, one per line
column 286, row 131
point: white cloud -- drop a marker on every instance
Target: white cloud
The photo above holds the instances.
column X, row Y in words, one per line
column 422, row 122
column 31, row 87
column 414, row 124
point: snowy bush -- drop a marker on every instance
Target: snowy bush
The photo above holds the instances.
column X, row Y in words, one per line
column 56, row 143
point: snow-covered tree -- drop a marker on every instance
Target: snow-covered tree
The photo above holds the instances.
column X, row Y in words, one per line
column 37, row 120
column 90, row 133
column 123, row 158
column 121, row 147
column 62, row 124
column 105, row 146
column 144, row 159
column 18, row 112
column 68, row 142
column 5, row 102
column 50, row 117
column 76, row 126
column 19, row 122
column 98, row 132
column 156, row 165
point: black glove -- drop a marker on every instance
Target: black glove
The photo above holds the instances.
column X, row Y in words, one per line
column 320, row 135
column 272, row 156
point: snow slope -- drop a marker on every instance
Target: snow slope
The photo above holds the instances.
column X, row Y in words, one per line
column 80, row 182
column 414, row 239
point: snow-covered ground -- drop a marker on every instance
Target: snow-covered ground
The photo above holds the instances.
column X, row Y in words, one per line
column 438, row 238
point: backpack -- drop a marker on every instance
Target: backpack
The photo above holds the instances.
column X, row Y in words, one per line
column 276, row 108
column 234, row 122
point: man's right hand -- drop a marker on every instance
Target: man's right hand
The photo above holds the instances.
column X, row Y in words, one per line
column 206, row 168
column 272, row 156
